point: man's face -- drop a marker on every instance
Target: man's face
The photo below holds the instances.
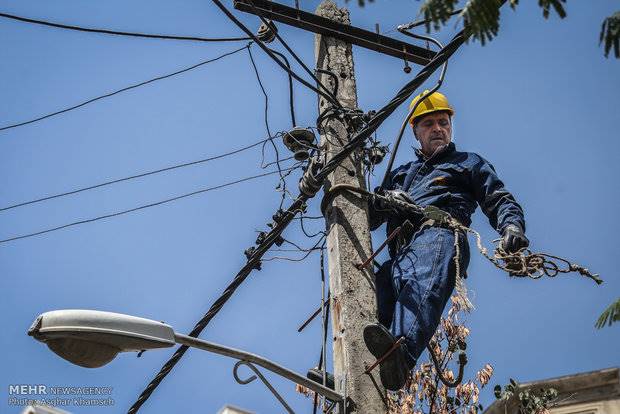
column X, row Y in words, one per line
column 433, row 130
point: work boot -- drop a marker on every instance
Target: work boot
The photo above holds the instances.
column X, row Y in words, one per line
column 394, row 369
column 316, row 375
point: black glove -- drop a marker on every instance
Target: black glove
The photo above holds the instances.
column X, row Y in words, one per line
column 513, row 239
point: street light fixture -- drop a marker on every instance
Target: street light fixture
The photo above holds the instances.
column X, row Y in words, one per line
column 92, row 338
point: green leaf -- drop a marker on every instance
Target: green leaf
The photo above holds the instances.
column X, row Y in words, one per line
column 481, row 19
column 437, row 12
column 610, row 34
column 557, row 6
column 612, row 313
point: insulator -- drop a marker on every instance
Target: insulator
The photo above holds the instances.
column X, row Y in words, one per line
column 309, row 185
column 376, row 154
column 299, row 141
column 267, row 32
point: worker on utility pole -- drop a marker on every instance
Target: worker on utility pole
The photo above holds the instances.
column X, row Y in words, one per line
column 414, row 286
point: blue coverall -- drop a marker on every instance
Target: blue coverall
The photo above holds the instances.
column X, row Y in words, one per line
column 414, row 286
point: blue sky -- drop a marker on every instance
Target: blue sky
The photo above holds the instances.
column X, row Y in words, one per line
column 540, row 102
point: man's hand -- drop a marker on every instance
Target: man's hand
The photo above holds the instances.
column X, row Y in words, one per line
column 380, row 203
column 513, row 239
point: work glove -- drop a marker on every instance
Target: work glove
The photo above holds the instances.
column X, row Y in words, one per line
column 513, row 239
column 398, row 195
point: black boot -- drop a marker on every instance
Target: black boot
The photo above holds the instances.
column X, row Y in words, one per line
column 316, row 375
column 394, row 369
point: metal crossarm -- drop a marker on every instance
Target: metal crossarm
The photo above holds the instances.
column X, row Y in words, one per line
column 350, row 34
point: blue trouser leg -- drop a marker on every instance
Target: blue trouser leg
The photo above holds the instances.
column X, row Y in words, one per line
column 424, row 276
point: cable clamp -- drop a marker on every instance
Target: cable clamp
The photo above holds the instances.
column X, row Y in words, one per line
column 309, row 185
column 249, row 252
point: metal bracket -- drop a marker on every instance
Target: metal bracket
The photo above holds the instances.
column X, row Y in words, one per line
column 249, row 359
column 350, row 34
column 263, row 379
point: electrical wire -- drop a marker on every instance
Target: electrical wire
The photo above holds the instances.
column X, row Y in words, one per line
column 247, row 31
column 142, row 207
column 308, row 252
column 107, row 95
column 291, row 100
column 292, row 53
column 282, row 184
column 262, row 88
column 117, row 33
column 140, row 175
column 303, row 228
column 244, row 272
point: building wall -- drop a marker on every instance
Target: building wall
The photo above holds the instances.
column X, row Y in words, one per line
column 599, row 407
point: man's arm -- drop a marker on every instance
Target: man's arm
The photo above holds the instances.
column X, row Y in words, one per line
column 499, row 205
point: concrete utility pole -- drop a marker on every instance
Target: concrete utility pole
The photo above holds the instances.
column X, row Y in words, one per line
column 353, row 303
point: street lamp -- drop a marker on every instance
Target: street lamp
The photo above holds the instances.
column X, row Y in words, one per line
column 92, row 338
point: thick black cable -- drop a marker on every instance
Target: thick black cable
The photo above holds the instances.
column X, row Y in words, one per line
column 117, row 33
column 132, row 177
column 245, row 271
column 142, row 207
column 297, row 206
column 107, row 95
column 332, row 75
column 247, row 31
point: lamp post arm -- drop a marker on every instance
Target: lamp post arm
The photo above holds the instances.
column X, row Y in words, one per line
column 258, row 360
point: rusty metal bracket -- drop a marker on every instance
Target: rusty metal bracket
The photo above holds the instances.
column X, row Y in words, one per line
column 387, row 354
column 314, row 315
column 361, row 266
column 350, row 34
column 396, row 232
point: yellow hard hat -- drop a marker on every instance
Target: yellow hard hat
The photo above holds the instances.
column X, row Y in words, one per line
column 433, row 103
